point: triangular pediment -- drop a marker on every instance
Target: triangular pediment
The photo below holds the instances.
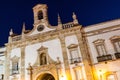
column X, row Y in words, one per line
column 42, row 48
column 15, row 58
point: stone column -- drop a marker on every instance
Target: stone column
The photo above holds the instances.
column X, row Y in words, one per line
column 7, row 63
column 85, row 55
column 65, row 57
column 22, row 67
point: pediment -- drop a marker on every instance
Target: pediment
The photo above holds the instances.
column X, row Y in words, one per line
column 39, row 29
column 115, row 37
column 42, row 48
column 99, row 41
column 72, row 46
column 15, row 58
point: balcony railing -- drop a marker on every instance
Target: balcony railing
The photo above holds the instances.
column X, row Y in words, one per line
column 75, row 60
column 104, row 58
column 117, row 55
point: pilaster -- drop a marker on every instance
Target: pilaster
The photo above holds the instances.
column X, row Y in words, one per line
column 85, row 55
column 7, row 63
column 65, row 57
column 22, row 68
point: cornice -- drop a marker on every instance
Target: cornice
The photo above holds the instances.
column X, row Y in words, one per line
column 43, row 37
column 101, row 31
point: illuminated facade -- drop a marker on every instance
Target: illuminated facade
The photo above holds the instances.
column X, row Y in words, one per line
column 63, row 52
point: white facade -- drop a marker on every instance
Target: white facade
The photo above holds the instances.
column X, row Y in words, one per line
column 104, row 31
column 63, row 52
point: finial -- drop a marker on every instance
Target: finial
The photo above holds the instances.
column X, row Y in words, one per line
column 75, row 20
column 74, row 15
column 23, row 29
column 59, row 20
column 11, row 32
column 59, row 23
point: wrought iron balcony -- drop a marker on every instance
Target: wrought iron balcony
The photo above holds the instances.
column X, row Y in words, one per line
column 104, row 58
column 117, row 55
column 75, row 60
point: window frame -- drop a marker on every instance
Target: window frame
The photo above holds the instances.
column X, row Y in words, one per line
column 74, row 47
column 115, row 39
column 15, row 65
column 101, row 43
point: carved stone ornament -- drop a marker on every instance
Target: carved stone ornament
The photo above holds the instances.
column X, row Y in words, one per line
column 41, row 50
column 72, row 46
column 15, row 58
column 115, row 37
column 99, row 41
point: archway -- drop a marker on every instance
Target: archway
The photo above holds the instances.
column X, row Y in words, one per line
column 46, row 76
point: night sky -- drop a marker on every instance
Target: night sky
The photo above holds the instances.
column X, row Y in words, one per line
column 13, row 13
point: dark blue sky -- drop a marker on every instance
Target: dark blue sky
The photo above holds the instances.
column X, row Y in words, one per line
column 14, row 12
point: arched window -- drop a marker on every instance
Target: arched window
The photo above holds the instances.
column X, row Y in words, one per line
column 43, row 59
column 40, row 15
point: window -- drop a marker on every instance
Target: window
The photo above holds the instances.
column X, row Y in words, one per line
column 15, row 65
column 100, row 47
column 74, row 54
column 15, row 68
column 116, row 43
column 40, row 15
column 43, row 59
column 78, row 73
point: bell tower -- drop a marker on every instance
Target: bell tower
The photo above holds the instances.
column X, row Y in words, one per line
column 40, row 14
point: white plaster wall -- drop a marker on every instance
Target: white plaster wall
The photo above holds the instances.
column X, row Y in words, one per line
column 54, row 51
column 16, row 52
column 108, row 45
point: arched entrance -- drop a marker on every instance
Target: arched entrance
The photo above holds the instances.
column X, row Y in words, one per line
column 46, row 76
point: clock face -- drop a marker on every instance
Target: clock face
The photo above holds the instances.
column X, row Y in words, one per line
column 40, row 27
